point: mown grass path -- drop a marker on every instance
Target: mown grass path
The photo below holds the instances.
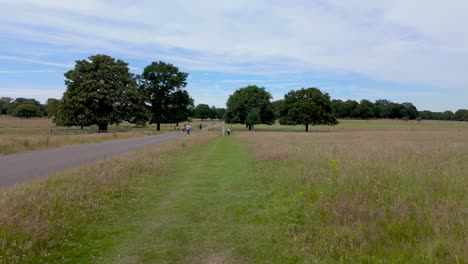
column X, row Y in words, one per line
column 204, row 214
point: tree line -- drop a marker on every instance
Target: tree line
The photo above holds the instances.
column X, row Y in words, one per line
column 102, row 91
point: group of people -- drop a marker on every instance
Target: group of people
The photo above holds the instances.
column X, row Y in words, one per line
column 186, row 129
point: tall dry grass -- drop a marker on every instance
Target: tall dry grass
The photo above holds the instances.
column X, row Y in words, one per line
column 73, row 214
column 381, row 196
column 19, row 135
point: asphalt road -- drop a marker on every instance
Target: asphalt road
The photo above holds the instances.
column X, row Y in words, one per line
column 22, row 167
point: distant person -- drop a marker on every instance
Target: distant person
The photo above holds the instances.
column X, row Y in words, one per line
column 184, row 128
column 188, row 129
column 229, row 131
column 201, row 127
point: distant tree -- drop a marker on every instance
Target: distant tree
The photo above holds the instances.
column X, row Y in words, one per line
column 348, row 108
column 447, row 115
column 179, row 106
column 159, row 81
column 365, row 109
column 461, row 115
column 52, row 107
column 426, row 115
column 242, row 103
column 213, row 112
column 307, row 106
column 27, row 111
column 19, row 101
column 101, row 91
column 5, row 104
column 220, row 113
column 411, row 110
column 202, row 111
column 277, row 106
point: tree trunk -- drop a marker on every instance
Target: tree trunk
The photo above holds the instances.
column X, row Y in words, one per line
column 158, row 126
column 307, row 127
column 81, row 127
column 102, row 128
column 250, row 127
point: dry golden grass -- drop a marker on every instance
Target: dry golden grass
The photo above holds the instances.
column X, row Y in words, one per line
column 63, row 216
column 19, row 135
column 398, row 196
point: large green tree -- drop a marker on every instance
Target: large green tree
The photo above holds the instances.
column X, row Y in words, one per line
column 159, row 82
column 101, row 91
column 253, row 102
column 52, row 107
column 180, row 105
column 202, row 111
column 307, row 106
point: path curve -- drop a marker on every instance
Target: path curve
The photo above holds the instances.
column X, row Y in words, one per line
column 22, row 167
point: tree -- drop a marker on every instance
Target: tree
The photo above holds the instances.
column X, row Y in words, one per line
column 27, row 110
column 5, row 104
column 307, row 106
column 52, row 107
column 447, row 115
column 213, row 113
column 159, row 81
column 244, row 100
column 253, row 117
column 365, row 109
column 461, row 115
column 411, row 110
column 220, row 113
column 11, row 108
column 101, row 91
column 202, row 111
column 180, row 104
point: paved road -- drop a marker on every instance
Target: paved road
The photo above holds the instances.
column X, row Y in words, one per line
column 21, row 167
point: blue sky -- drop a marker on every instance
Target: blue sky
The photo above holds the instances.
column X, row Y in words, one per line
column 401, row 50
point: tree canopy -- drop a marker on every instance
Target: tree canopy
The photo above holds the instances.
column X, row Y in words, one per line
column 307, row 106
column 253, row 102
column 27, row 111
column 203, row 111
column 101, row 91
column 162, row 82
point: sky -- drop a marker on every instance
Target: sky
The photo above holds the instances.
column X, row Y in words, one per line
column 401, row 50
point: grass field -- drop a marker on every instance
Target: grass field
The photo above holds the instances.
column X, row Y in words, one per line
column 19, row 135
column 352, row 196
column 365, row 125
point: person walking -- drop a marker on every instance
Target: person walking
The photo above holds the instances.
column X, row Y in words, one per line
column 188, row 129
column 229, row 131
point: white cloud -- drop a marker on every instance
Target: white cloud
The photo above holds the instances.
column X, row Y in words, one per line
column 411, row 42
column 33, row 61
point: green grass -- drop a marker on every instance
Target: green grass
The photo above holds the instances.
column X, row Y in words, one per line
column 263, row 197
column 202, row 213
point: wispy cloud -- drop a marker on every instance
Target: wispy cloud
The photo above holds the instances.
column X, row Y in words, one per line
column 29, row 71
column 420, row 43
column 33, row 61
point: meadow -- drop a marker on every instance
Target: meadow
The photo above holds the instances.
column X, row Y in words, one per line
column 369, row 195
column 19, row 135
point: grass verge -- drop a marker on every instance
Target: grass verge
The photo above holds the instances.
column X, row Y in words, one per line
column 72, row 217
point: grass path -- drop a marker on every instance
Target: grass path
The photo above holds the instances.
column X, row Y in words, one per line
column 204, row 214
